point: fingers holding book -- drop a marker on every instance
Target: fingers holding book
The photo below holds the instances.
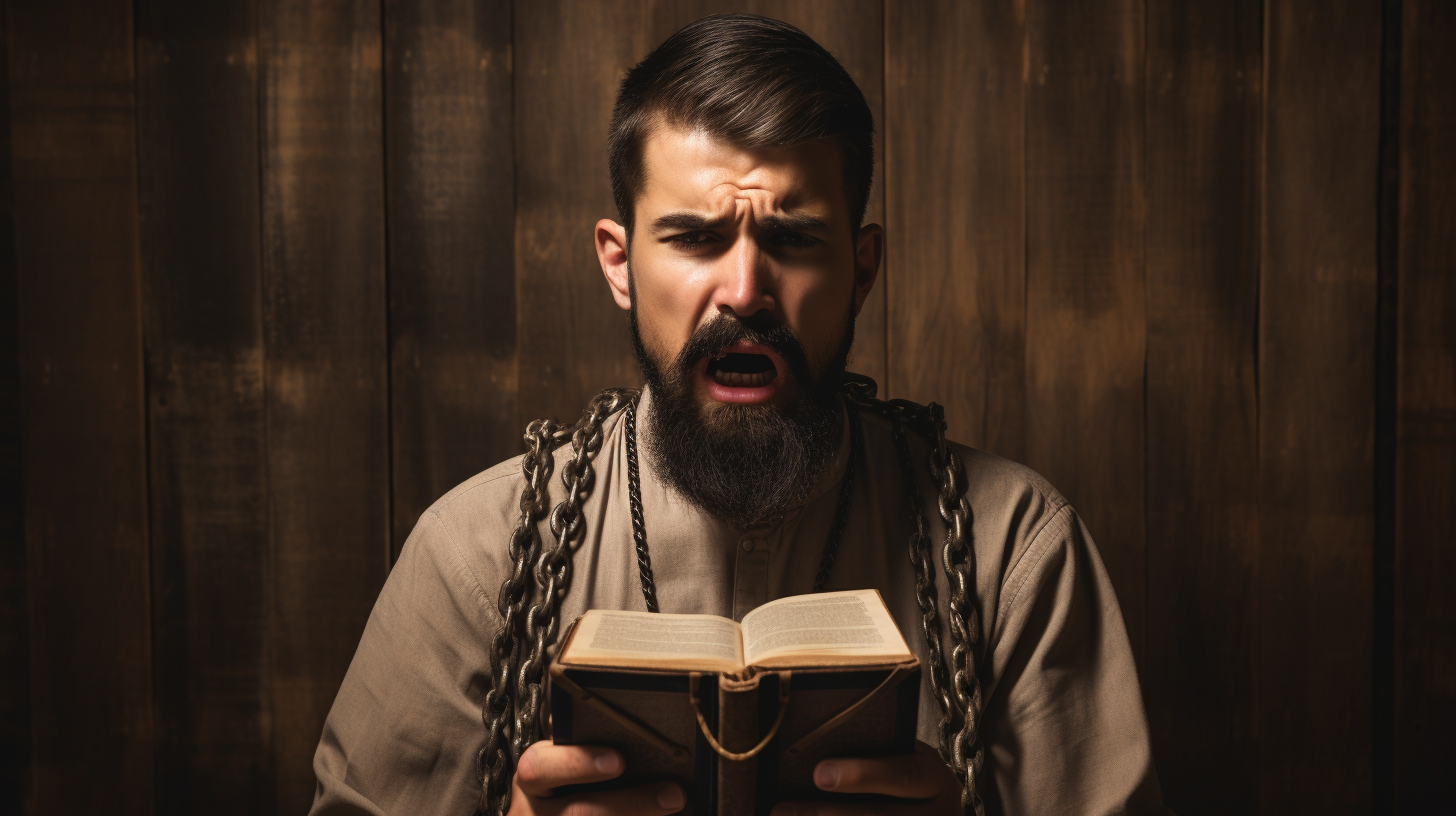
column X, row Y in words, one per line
column 921, row 781
column 546, row 767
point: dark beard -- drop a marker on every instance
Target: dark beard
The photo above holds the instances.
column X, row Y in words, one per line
column 743, row 463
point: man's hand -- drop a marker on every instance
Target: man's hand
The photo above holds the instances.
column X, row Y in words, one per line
column 546, row 766
column 925, row 783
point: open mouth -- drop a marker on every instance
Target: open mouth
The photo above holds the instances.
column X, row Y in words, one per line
column 742, row 370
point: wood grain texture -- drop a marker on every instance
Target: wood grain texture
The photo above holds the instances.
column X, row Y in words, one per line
column 573, row 341
column 74, row 142
column 197, row 110
column 14, row 599
column 451, row 214
column 1425, row 607
column 1202, row 237
column 1085, row 332
column 326, row 368
column 955, row 147
column 1316, row 382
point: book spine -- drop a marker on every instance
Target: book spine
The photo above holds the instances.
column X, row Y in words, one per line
column 738, row 731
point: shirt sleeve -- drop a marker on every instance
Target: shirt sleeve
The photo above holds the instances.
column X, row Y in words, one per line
column 1064, row 727
column 405, row 728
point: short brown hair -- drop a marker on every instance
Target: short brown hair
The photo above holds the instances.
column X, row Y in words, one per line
column 750, row 81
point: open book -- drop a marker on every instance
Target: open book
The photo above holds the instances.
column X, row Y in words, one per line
column 739, row 714
column 826, row 629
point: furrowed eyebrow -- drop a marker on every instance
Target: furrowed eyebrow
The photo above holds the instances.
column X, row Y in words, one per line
column 692, row 222
column 794, row 223
column 686, row 222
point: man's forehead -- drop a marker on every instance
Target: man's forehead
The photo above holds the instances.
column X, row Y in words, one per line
column 692, row 169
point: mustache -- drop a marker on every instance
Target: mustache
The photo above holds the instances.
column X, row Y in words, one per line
column 760, row 328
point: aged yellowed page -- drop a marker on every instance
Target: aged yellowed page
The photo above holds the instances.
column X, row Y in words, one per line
column 648, row 640
column 828, row 628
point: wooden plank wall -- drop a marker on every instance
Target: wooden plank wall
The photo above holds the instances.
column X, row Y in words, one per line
column 74, row 157
column 284, row 271
column 1424, row 646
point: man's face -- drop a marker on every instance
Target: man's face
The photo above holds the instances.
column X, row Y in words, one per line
column 744, row 281
column 723, row 231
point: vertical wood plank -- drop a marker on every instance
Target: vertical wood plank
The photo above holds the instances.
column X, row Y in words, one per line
column 73, row 130
column 1316, row 381
column 197, row 109
column 451, row 213
column 573, row 341
column 14, row 600
column 1425, row 612
column 956, row 217
column 324, row 315
column 1203, row 147
column 570, row 58
column 1085, row 331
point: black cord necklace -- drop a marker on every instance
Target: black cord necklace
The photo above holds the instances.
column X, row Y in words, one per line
column 639, row 526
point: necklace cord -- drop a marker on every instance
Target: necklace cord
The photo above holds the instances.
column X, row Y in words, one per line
column 634, row 504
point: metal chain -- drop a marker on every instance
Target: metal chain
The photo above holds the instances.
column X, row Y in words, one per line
column 512, row 707
column 958, row 557
column 494, row 763
column 957, row 687
column 511, row 727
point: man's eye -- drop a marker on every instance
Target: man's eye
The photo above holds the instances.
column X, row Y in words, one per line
column 691, row 239
column 794, row 240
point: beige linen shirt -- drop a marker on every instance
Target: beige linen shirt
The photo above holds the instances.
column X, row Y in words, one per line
column 1063, row 724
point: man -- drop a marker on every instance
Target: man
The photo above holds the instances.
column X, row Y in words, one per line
column 741, row 155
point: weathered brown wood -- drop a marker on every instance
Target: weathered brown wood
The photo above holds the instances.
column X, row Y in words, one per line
column 1316, row 382
column 572, row 339
column 326, row 367
column 73, row 130
column 1202, row 237
column 956, row 215
column 570, row 57
column 1425, row 606
column 451, row 213
column 197, row 111
column 1085, row 332
column 14, row 600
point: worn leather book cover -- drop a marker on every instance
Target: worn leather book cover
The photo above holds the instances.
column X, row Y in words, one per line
column 745, row 737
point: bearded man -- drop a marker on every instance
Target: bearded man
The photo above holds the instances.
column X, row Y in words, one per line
column 750, row 467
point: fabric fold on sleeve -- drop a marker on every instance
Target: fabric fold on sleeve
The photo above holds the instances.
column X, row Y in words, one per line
column 405, row 728
column 1065, row 728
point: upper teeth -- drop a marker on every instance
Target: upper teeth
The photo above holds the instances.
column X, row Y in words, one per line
column 744, row 380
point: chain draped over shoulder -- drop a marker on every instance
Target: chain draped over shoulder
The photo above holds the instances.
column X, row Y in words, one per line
column 530, row 599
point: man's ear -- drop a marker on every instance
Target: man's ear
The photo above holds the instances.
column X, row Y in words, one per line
column 869, row 248
column 612, row 253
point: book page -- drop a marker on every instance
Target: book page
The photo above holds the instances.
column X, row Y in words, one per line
column 648, row 640
column 828, row 628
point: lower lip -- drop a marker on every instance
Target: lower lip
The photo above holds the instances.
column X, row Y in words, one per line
column 743, row 395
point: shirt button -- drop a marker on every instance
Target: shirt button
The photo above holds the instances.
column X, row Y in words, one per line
column 747, row 545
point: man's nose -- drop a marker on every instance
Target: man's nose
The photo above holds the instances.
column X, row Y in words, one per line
column 746, row 284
